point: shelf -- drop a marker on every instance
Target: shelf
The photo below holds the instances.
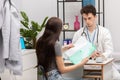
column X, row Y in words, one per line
column 99, row 12
column 93, row 75
column 70, row 1
column 69, row 30
column 61, row 12
column 92, row 70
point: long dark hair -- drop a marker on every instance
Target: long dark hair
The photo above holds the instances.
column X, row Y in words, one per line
column 45, row 45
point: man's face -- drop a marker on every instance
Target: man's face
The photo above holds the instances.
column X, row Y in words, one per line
column 89, row 19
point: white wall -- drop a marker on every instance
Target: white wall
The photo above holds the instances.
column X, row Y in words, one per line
column 18, row 3
column 112, row 16
column 38, row 9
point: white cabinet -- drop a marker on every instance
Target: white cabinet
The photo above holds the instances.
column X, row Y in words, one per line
column 29, row 62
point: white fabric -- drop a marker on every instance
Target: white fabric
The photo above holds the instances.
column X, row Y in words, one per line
column 116, row 66
column 104, row 40
column 7, row 75
column 1, row 13
column 116, row 74
column 10, row 54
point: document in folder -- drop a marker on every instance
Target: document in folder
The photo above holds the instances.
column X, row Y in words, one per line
column 82, row 49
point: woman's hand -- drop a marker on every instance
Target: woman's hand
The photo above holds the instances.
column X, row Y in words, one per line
column 66, row 47
column 85, row 60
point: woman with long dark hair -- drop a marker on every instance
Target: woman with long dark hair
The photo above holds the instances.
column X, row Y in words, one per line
column 49, row 51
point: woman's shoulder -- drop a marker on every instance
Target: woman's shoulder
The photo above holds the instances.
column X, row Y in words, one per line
column 57, row 44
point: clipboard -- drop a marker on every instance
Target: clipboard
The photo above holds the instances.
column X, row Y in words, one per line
column 82, row 49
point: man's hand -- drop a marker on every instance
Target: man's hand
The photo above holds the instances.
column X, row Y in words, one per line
column 95, row 54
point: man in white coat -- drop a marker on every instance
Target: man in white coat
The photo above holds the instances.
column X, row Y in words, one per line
column 96, row 34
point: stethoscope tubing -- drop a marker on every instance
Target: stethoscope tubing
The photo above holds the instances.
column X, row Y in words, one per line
column 86, row 34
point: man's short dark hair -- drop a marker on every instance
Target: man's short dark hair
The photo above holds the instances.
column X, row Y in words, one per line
column 88, row 9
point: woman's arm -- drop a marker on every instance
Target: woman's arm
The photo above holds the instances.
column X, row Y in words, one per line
column 63, row 69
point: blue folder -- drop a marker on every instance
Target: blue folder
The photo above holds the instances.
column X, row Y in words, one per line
column 87, row 2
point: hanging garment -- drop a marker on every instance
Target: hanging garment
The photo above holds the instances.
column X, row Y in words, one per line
column 1, row 13
column 10, row 28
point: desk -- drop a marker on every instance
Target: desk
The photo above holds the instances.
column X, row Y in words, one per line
column 101, row 71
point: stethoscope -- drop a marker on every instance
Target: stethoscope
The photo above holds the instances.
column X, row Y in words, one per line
column 85, row 34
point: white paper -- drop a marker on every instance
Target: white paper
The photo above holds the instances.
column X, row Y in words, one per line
column 82, row 49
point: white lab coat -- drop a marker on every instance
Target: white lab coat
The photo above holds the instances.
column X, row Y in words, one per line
column 1, row 13
column 10, row 53
column 104, row 45
column 104, row 40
